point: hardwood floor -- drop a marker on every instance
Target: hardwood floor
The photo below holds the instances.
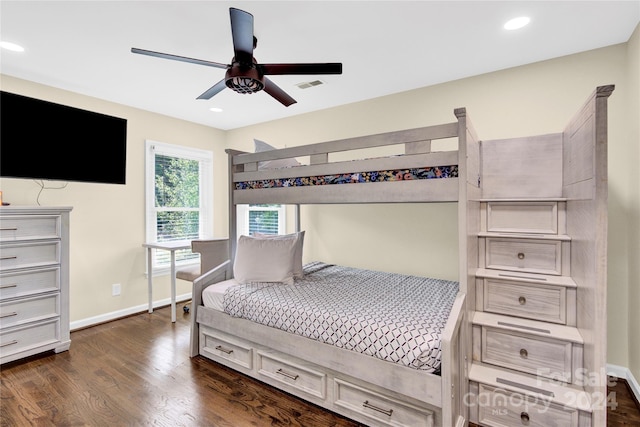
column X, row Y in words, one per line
column 137, row 371
column 627, row 409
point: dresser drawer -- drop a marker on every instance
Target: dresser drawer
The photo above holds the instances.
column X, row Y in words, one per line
column 29, row 337
column 18, row 312
column 528, row 255
column 15, row 228
column 36, row 254
column 384, row 410
column 30, row 282
column 219, row 346
column 529, row 300
column 292, row 374
column 501, row 408
column 531, row 354
column 522, row 217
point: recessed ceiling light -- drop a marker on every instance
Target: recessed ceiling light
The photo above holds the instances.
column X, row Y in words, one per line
column 216, row 109
column 11, row 46
column 516, row 23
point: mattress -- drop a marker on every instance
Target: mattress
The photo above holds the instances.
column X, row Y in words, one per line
column 213, row 295
column 396, row 318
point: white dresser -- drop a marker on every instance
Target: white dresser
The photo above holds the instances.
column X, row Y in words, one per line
column 34, row 281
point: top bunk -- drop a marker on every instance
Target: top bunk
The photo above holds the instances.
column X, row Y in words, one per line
column 342, row 171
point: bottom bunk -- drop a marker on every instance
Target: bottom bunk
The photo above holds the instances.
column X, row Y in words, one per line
column 409, row 391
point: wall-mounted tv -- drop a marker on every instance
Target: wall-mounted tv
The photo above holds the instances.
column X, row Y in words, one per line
column 44, row 140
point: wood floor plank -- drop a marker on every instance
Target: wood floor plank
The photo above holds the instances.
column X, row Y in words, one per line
column 626, row 409
column 137, row 372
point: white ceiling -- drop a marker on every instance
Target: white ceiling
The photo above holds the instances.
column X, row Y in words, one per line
column 385, row 47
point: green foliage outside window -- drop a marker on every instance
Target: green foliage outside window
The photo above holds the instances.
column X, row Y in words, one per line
column 177, row 182
column 177, row 198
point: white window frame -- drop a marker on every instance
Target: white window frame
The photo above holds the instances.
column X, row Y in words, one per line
column 205, row 159
column 242, row 215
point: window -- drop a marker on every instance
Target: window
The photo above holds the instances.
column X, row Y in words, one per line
column 266, row 219
column 179, row 198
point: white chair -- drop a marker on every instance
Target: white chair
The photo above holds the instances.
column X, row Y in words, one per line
column 213, row 252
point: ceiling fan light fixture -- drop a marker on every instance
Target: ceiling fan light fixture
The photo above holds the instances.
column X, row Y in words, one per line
column 242, row 79
column 244, row 84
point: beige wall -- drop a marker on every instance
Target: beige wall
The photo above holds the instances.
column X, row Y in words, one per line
column 108, row 221
column 534, row 99
column 633, row 257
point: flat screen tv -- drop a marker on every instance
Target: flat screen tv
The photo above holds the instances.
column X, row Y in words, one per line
column 44, row 140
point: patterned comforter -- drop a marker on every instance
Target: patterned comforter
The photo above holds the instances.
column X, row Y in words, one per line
column 393, row 317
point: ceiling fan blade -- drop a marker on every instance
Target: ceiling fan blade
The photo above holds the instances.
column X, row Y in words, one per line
column 274, row 90
column 242, row 33
column 319, row 68
column 213, row 90
column 179, row 58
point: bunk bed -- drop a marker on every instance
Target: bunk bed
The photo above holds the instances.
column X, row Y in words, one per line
column 361, row 386
column 528, row 318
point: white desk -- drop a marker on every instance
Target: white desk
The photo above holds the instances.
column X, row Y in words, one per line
column 172, row 247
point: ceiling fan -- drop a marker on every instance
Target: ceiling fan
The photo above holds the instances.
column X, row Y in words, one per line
column 245, row 74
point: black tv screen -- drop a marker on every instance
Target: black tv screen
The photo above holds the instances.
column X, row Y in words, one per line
column 44, row 140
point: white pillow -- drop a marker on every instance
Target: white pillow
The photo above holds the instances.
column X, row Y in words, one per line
column 264, row 260
column 297, row 257
column 261, row 146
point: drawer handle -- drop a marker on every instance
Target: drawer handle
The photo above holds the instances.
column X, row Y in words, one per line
column 524, row 353
column 13, row 313
column 8, row 257
column 287, row 374
column 9, row 229
column 12, row 285
column 224, row 350
column 524, row 417
column 522, row 300
column 520, row 255
column 12, row 342
column 387, row 412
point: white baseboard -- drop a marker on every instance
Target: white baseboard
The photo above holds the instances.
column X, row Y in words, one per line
column 626, row 374
column 91, row 321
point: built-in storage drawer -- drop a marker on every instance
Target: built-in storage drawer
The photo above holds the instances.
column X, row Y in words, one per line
column 25, row 310
column 24, row 255
column 381, row 409
column 528, row 255
column 532, row 354
column 292, row 374
column 14, row 228
column 29, row 337
column 217, row 346
column 501, row 408
column 25, row 283
column 522, row 217
column 529, row 300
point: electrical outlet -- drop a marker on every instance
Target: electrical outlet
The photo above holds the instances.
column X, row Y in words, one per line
column 115, row 289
